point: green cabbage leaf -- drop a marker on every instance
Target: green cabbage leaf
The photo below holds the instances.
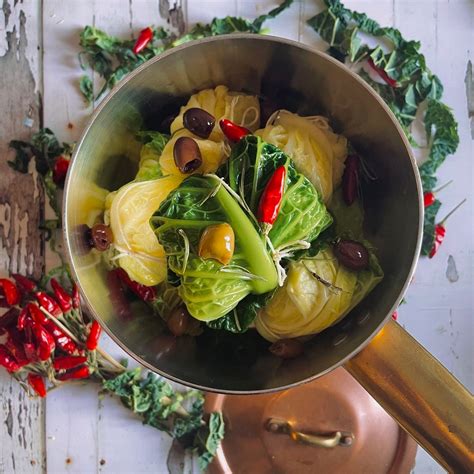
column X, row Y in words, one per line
column 317, row 293
column 302, row 215
column 209, row 289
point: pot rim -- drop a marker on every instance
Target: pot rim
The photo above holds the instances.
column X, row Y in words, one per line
column 291, row 43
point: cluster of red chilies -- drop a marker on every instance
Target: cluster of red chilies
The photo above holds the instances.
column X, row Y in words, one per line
column 44, row 336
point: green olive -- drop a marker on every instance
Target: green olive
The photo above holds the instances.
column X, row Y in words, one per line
column 217, row 242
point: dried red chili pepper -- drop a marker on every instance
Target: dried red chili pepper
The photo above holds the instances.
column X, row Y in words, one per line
column 94, row 335
column 61, row 165
column 350, row 179
column 440, row 234
column 9, row 318
column 36, row 382
column 15, row 345
column 21, row 321
column 440, row 230
column 145, row 36
column 272, row 195
column 44, row 340
column 62, row 340
column 145, row 293
column 232, row 131
column 7, row 359
column 383, row 74
column 27, row 285
column 62, row 296
column 81, row 372
column 12, row 295
column 49, row 304
column 36, row 314
column 76, row 299
column 430, row 197
column 30, row 351
column 68, row 362
column 117, row 295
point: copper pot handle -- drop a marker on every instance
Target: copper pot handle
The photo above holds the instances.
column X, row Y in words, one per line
column 337, row 438
column 424, row 398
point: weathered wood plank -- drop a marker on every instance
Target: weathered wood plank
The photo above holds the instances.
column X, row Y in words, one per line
column 71, row 412
column 108, row 432
column 437, row 311
column 21, row 199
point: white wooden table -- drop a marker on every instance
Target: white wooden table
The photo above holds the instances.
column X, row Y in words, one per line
column 75, row 431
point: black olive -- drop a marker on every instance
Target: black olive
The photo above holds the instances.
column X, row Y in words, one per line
column 287, row 348
column 101, row 237
column 351, row 254
column 199, row 122
column 187, row 155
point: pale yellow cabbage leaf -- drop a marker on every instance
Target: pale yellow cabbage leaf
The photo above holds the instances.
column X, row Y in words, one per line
column 316, row 150
column 305, row 305
column 90, row 202
column 219, row 102
column 139, row 252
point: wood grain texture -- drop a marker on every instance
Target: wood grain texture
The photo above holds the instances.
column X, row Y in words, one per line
column 86, row 434
column 99, row 435
column 21, row 211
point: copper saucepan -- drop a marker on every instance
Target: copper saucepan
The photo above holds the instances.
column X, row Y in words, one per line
column 406, row 380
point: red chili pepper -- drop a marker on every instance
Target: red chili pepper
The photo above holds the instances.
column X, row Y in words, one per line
column 350, row 179
column 382, row 73
column 232, row 131
column 9, row 318
column 94, row 334
column 44, row 340
column 12, row 295
column 62, row 296
column 30, row 351
column 145, row 293
column 440, row 231
column 395, row 315
column 272, row 196
column 36, row 314
column 68, row 362
column 37, row 384
column 14, row 344
column 429, row 199
column 117, row 295
column 440, row 234
column 60, row 168
column 81, row 372
column 145, row 36
column 21, row 322
column 76, row 299
column 49, row 304
column 7, row 360
column 27, row 285
column 63, row 341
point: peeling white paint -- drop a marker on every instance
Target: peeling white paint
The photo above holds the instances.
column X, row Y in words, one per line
column 31, row 25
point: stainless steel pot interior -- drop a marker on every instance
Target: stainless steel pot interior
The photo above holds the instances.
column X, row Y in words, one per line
column 303, row 81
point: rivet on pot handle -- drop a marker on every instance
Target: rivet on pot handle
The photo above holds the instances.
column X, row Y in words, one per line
column 337, row 438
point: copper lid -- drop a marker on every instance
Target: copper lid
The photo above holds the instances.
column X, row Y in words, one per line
column 329, row 425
